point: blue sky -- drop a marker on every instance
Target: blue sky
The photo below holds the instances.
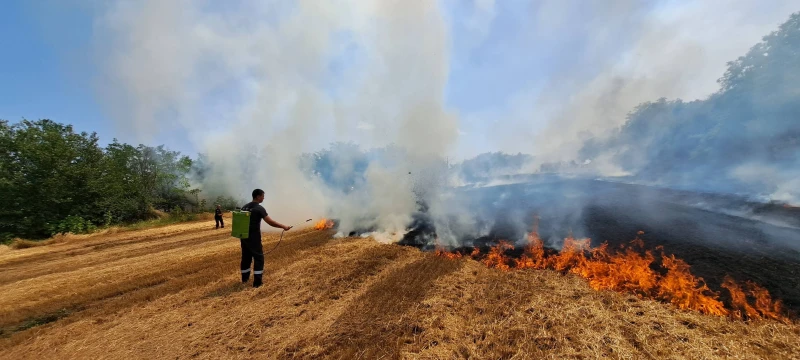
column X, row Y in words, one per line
column 46, row 65
column 502, row 62
column 48, row 69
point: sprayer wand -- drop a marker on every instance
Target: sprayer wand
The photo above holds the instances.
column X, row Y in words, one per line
column 281, row 238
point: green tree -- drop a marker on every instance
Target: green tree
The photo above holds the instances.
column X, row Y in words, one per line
column 50, row 173
column 53, row 179
column 196, row 193
column 125, row 197
column 722, row 143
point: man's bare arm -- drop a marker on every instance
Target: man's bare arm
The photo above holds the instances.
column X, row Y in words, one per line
column 275, row 224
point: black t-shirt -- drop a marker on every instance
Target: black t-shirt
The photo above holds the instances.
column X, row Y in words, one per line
column 218, row 212
column 257, row 213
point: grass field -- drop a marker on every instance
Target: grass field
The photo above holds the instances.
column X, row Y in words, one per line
column 174, row 292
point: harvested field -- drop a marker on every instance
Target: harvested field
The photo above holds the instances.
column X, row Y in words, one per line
column 174, row 292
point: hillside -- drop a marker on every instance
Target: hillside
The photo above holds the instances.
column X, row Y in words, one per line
column 174, row 292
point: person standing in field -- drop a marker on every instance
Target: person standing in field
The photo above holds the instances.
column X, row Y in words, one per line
column 218, row 217
column 252, row 250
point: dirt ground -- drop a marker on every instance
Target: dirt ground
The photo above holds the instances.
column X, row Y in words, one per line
column 174, row 292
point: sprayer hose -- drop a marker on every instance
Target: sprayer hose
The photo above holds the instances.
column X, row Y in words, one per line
column 276, row 245
column 281, row 238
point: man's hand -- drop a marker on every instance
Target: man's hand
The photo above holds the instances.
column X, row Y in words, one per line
column 276, row 224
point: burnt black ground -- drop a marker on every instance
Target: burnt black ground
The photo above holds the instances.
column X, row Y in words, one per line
column 696, row 227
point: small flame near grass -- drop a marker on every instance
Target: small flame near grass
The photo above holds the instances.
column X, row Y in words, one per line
column 324, row 224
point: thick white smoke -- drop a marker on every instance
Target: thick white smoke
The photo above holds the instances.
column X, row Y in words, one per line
column 676, row 50
column 631, row 52
column 255, row 84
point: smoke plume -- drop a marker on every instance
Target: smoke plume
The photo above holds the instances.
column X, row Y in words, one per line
column 258, row 85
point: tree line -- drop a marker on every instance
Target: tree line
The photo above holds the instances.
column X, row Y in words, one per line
column 55, row 180
column 743, row 138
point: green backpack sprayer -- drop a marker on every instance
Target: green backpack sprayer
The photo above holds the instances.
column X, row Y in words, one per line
column 241, row 227
column 241, row 224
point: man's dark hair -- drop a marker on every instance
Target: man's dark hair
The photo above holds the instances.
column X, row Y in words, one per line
column 257, row 192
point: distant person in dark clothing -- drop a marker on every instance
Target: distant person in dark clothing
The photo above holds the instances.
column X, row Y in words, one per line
column 251, row 247
column 218, row 217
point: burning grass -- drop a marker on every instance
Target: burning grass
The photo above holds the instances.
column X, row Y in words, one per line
column 633, row 269
column 324, row 224
column 174, row 292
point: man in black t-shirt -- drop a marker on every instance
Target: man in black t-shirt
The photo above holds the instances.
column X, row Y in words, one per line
column 251, row 247
column 218, row 217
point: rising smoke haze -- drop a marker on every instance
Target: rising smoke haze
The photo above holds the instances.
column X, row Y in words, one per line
column 257, row 86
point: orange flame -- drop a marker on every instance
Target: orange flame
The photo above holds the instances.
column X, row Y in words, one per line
column 534, row 252
column 323, row 224
column 449, row 255
column 686, row 291
column 762, row 305
column 440, row 251
column 496, row 258
column 631, row 270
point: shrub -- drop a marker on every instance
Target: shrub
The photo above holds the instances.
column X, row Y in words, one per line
column 73, row 224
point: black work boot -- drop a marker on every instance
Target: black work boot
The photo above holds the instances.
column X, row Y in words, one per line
column 245, row 277
column 257, row 280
